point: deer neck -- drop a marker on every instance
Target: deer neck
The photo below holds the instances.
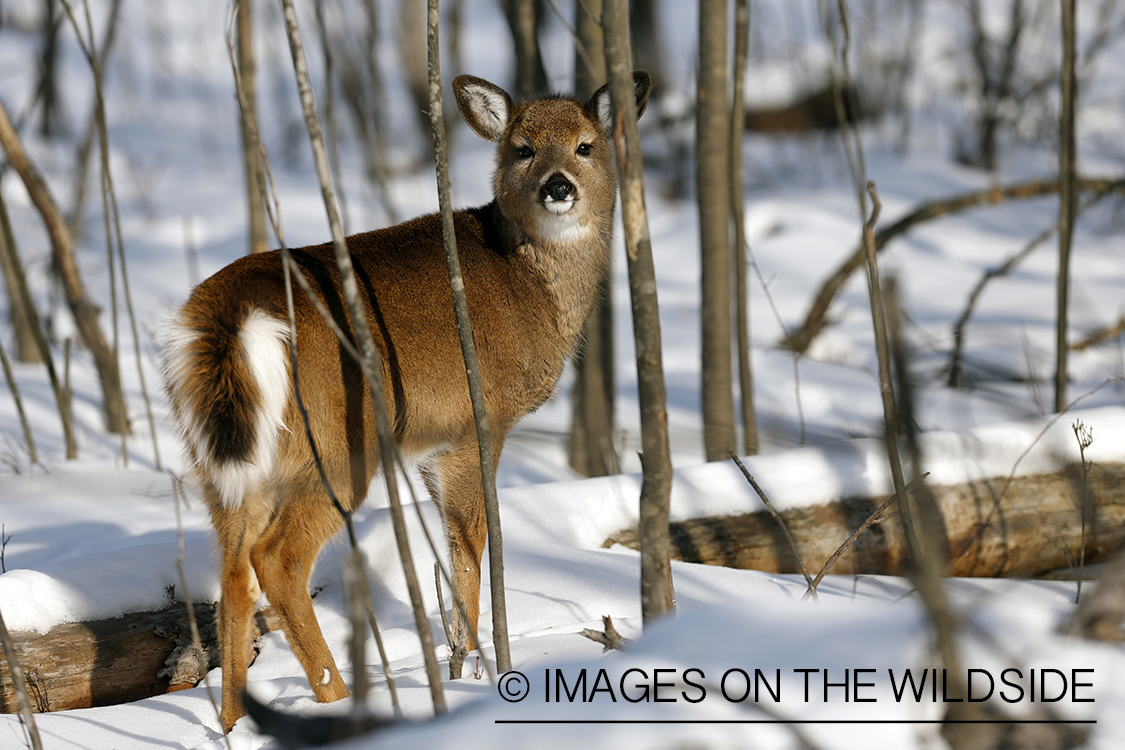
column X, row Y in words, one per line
column 569, row 265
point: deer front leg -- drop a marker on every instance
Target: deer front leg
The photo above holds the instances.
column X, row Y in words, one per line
column 454, row 480
column 466, row 545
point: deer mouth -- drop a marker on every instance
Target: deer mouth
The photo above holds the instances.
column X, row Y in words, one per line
column 558, row 194
column 558, row 207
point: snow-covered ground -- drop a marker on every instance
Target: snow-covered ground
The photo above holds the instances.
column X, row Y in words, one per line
column 96, row 537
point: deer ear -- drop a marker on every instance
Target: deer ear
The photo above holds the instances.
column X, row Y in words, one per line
column 602, row 107
column 485, row 107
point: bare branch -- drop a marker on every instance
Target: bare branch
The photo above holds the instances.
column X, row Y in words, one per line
column 877, row 516
column 781, row 521
column 610, row 638
column 816, row 317
column 16, row 673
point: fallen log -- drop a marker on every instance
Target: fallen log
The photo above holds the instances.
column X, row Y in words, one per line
column 106, row 662
column 1029, row 526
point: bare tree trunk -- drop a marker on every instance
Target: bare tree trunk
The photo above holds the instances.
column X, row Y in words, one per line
column 361, row 85
column 657, row 595
column 14, row 389
column 591, row 434
column 589, row 61
column 21, row 299
column 469, row 352
column 995, row 79
column 330, row 130
column 648, row 52
column 85, row 312
column 741, row 287
column 78, row 205
column 255, row 185
column 412, row 52
column 523, row 19
column 47, row 90
column 712, row 153
column 26, row 348
column 1068, row 196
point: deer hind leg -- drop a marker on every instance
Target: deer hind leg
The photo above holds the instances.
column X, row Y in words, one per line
column 283, row 558
column 237, row 529
column 453, row 479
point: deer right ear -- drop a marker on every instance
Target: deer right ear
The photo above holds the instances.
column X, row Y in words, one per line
column 485, row 107
column 601, row 105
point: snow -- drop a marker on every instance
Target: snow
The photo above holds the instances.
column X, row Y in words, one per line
column 99, row 537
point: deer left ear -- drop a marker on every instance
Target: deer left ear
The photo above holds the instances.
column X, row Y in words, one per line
column 485, row 107
column 601, row 105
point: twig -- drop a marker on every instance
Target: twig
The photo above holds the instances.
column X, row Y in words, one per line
column 4, row 539
column 82, row 308
column 955, row 357
column 876, row 517
column 333, row 140
column 99, row 111
column 579, row 45
column 108, row 190
column 113, row 228
column 1085, row 437
column 1097, row 337
column 62, row 396
column 999, row 498
column 1067, row 195
column 738, row 210
column 441, row 605
column 82, row 167
column 388, row 673
column 20, row 685
column 355, row 587
column 196, row 641
column 610, row 639
column 785, row 334
column 1099, row 615
column 469, row 352
column 32, row 452
column 780, row 520
column 929, row 552
column 440, row 570
column 886, row 387
column 841, row 85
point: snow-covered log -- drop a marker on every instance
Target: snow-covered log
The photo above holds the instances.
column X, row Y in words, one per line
column 106, row 662
column 1030, row 525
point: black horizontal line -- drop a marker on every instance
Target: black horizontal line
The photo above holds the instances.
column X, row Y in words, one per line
column 792, row 721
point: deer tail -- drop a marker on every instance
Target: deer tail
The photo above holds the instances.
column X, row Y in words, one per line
column 229, row 382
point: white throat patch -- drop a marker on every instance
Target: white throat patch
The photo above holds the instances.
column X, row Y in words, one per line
column 559, row 225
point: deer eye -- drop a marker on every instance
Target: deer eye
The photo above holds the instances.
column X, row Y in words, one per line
column 525, row 152
column 584, row 149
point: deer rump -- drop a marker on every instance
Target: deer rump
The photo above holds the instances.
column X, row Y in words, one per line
column 531, row 260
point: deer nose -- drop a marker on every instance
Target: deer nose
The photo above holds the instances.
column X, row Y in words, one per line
column 558, row 187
